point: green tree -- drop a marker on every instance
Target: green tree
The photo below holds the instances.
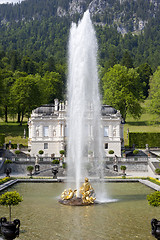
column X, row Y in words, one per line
column 127, row 60
column 28, row 65
column 10, row 199
column 52, row 87
column 6, row 79
column 154, row 93
column 30, row 170
column 26, row 96
column 145, row 72
column 14, row 60
column 123, row 91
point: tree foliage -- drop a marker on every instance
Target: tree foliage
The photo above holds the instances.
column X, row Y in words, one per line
column 10, row 199
column 122, row 90
column 154, row 93
column 34, row 40
column 145, row 72
column 6, row 79
column 25, row 94
column 52, row 86
column 154, row 199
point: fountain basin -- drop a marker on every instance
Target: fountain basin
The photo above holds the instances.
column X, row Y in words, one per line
column 43, row 217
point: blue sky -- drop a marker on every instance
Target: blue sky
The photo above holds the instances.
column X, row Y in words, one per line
column 10, row 1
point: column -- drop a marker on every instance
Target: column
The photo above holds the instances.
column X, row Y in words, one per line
column 62, row 125
column 41, row 131
column 33, row 131
column 50, row 131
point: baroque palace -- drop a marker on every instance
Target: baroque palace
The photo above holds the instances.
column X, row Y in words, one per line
column 48, row 129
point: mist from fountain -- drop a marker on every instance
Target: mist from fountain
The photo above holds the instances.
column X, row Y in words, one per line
column 84, row 132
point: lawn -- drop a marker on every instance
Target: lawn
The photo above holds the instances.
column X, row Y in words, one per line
column 14, row 132
column 147, row 123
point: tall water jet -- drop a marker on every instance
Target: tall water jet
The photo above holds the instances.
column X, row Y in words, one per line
column 84, row 131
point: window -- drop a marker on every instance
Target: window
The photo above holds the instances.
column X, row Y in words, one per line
column 106, row 146
column 45, row 145
column 46, row 131
column 106, row 130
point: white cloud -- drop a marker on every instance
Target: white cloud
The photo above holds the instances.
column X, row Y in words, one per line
column 10, row 1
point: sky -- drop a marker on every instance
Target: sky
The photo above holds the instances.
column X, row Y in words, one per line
column 10, row 1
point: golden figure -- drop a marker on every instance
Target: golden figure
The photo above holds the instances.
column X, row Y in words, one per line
column 86, row 191
column 66, row 195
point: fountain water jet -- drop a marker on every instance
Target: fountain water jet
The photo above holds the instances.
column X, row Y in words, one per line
column 84, row 133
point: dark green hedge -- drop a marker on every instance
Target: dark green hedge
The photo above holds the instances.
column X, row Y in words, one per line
column 14, row 145
column 2, row 139
column 140, row 139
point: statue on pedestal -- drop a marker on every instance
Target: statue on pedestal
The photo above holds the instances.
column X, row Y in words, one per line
column 87, row 195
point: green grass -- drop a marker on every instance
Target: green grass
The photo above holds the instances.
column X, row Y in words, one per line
column 147, row 123
column 14, row 132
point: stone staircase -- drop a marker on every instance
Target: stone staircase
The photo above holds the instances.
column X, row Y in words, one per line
column 110, row 173
column 48, row 172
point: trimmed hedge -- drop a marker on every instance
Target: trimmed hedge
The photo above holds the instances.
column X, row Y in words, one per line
column 14, row 146
column 140, row 139
column 3, row 180
column 55, row 161
column 2, row 139
column 8, row 161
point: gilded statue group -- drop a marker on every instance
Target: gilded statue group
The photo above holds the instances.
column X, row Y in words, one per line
column 86, row 193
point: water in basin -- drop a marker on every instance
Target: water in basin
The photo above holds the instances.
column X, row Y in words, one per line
column 127, row 216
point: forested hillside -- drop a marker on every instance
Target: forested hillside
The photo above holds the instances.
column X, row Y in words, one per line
column 34, row 38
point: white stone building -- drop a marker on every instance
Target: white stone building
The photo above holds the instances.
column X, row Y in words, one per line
column 48, row 131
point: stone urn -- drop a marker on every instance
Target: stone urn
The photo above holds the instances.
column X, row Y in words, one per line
column 10, row 230
column 55, row 171
column 155, row 224
column 8, row 171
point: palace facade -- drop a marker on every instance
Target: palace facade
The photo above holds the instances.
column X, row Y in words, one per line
column 48, row 129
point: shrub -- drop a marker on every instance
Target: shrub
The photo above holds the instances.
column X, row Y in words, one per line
column 17, row 152
column 14, row 145
column 123, row 167
column 41, row 152
column 55, row 161
column 126, row 146
column 22, row 146
column 154, row 199
column 135, row 151
column 10, row 199
column 30, row 169
column 3, row 180
column 90, row 152
column 62, row 152
column 64, row 165
column 8, row 161
column 110, row 151
column 157, row 170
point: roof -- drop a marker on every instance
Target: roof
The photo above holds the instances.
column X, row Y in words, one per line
column 46, row 109
column 49, row 109
column 107, row 110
